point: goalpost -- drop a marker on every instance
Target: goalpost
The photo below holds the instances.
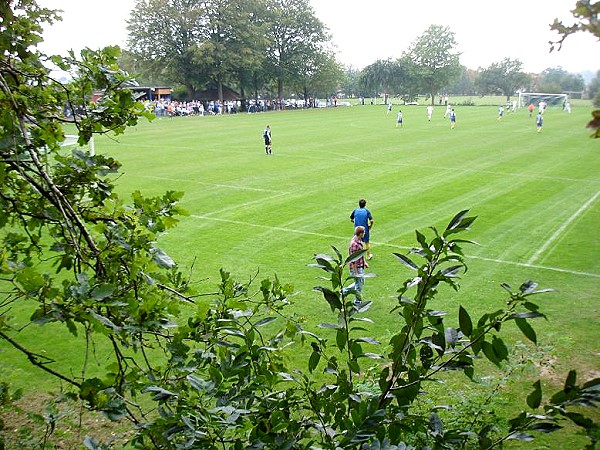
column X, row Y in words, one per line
column 525, row 98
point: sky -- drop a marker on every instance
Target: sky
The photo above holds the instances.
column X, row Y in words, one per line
column 487, row 31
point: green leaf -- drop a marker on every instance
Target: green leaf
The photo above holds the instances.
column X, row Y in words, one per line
column 162, row 259
column 331, row 326
column 159, row 393
column 341, row 338
column 421, row 239
column 200, row 384
column 526, row 315
column 534, row 399
column 265, row 321
column 371, row 355
column 354, row 256
column 488, row 351
column 457, row 220
column 571, row 381
column 313, row 361
column 465, row 322
column 527, row 330
column 102, row 291
column 406, row 261
column 521, row 437
column 528, row 287
column 545, row 427
column 369, row 340
column 500, row 348
column 581, row 420
column 452, row 271
column 331, row 297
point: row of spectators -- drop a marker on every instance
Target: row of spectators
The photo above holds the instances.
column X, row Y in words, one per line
column 173, row 108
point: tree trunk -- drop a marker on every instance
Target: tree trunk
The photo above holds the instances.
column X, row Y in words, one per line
column 220, row 90
column 280, row 88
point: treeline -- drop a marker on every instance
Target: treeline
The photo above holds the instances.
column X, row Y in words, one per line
column 279, row 49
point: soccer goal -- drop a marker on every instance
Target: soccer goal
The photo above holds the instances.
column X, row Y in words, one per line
column 526, row 98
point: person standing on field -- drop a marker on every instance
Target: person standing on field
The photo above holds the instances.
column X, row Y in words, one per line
column 362, row 217
column 452, row 118
column 267, row 137
column 399, row 120
column 429, row 112
column 357, row 267
column 448, row 111
column 539, row 122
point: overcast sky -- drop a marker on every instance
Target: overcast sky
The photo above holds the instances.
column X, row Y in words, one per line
column 487, row 31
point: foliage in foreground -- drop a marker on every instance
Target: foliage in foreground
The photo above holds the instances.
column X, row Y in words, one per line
column 76, row 255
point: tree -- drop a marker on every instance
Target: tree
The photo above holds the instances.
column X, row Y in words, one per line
column 586, row 15
column 435, row 63
column 380, row 77
column 465, row 85
column 231, row 42
column 503, row 78
column 294, row 36
column 351, row 82
column 557, row 80
column 165, row 35
column 320, row 74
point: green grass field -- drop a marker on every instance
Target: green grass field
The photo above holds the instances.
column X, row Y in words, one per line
column 536, row 195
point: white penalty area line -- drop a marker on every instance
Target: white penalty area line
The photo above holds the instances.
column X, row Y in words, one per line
column 385, row 244
column 562, row 228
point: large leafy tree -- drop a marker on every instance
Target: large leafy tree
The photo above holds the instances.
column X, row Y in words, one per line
column 502, row 78
column 295, row 35
column 436, row 62
column 465, row 85
column 381, row 77
column 558, row 80
column 319, row 75
column 164, row 35
column 59, row 212
column 232, row 40
column 351, row 82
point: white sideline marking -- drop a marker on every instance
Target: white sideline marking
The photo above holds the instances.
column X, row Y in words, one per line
column 269, row 227
column 228, row 186
column 385, row 244
column 536, row 266
column 558, row 232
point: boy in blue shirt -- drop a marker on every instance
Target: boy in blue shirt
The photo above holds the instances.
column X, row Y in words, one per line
column 362, row 217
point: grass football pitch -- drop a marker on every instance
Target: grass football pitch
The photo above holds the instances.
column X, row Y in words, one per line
column 536, row 195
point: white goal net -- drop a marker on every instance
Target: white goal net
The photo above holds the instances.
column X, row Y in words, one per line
column 526, row 98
